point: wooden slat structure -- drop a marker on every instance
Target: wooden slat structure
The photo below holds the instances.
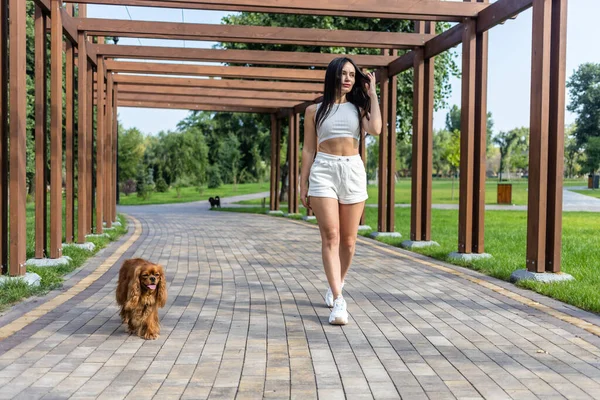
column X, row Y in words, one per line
column 257, row 83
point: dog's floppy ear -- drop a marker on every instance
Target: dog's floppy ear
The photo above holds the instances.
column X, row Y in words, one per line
column 161, row 291
column 134, row 291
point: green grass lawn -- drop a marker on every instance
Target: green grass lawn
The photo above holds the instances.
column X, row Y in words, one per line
column 52, row 277
column 190, row 194
column 442, row 192
column 505, row 240
column 590, row 192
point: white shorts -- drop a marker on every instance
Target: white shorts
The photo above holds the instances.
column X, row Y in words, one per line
column 339, row 177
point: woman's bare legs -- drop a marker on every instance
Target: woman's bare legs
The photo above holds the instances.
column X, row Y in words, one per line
column 349, row 217
column 327, row 212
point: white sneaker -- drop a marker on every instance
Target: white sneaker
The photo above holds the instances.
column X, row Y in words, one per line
column 329, row 296
column 339, row 315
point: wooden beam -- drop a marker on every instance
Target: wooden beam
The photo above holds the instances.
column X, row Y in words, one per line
column 220, row 101
column 467, row 127
column 4, row 135
column 300, row 108
column 538, row 137
column 250, row 34
column 229, row 93
column 444, row 41
column 220, row 83
column 499, row 12
column 193, row 106
column 69, row 26
column 303, row 75
column 406, row 9
column 18, row 135
column 44, row 5
column 91, row 53
column 489, row 17
column 234, row 56
column 401, row 64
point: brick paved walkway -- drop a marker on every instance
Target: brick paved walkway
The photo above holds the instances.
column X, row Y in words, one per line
column 246, row 319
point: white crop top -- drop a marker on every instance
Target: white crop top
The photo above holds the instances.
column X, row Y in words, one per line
column 342, row 121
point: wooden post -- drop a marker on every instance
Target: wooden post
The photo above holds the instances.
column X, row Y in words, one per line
column 480, row 140
column 383, row 154
column 100, row 146
column 558, row 57
column 18, row 133
column 4, row 134
column 56, row 126
column 108, row 164
column 467, row 125
column 41, row 126
column 278, row 163
column 115, row 144
column 391, row 147
column 416, row 202
column 296, row 161
column 69, row 142
column 427, row 171
column 291, row 152
column 82, row 139
column 89, row 150
column 273, row 186
column 538, row 138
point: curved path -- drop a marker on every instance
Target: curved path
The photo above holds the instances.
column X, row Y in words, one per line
column 246, row 319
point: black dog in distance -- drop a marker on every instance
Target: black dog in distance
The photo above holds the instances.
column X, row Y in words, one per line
column 214, row 202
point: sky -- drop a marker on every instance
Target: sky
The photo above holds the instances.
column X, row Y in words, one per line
column 509, row 73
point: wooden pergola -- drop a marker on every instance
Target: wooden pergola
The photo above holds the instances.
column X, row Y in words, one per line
column 104, row 84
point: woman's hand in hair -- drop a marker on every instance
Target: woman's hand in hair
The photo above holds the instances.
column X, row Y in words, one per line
column 371, row 85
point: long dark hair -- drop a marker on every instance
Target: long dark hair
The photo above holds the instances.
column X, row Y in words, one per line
column 333, row 89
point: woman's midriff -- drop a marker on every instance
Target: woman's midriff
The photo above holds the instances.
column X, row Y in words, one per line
column 343, row 146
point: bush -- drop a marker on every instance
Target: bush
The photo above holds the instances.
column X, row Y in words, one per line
column 161, row 185
column 128, row 187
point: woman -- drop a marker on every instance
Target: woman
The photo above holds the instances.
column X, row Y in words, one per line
column 333, row 179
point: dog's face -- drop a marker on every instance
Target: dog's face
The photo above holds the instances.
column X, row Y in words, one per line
column 151, row 276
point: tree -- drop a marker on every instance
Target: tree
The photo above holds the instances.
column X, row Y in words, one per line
column 130, row 153
column 584, row 89
column 513, row 149
column 573, row 153
column 441, row 142
column 592, row 151
column 453, row 155
column 453, row 123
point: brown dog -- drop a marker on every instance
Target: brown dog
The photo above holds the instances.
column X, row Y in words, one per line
column 141, row 291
